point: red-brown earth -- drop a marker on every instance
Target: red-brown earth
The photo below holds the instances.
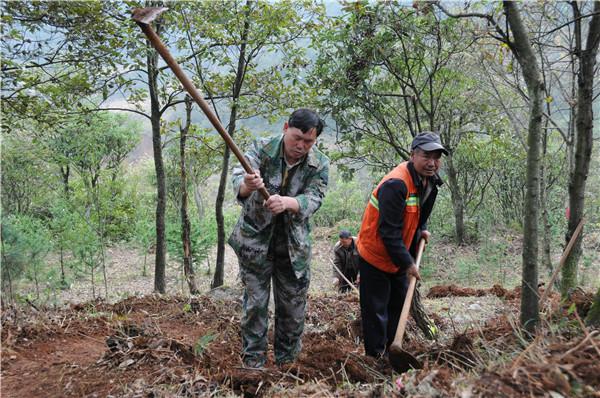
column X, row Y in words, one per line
column 163, row 346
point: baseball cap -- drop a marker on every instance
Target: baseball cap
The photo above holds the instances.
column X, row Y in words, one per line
column 345, row 234
column 428, row 142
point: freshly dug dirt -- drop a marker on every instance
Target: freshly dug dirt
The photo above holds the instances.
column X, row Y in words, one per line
column 165, row 346
column 439, row 291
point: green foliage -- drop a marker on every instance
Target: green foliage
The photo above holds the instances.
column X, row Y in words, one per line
column 61, row 51
column 95, row 142
column 374, row 62
column 203, row 235
column 25, row 243
column 27, row 181
column 344, row 204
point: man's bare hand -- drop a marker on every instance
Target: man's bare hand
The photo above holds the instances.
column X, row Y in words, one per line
column 425, row 235
column 277, row 204
column 413, row 271
column 253, row 181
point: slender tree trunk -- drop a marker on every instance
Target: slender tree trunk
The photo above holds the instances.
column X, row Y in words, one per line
column 144, row 272
column 457, row 201
column 237, row 87
column 65, row 172
column 63, row 281
column 523, row 51
column 219, row 268
column 544, row 185
column 37, row 285
column 155, row 116
column 96, row 200
column 93, row 282
column 593, row 317
column 188, row 268
column 584, row 124
column 8, row 276
column 547, row 237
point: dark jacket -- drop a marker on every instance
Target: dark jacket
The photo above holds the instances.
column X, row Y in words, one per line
column 392, row 196
column 346, row 260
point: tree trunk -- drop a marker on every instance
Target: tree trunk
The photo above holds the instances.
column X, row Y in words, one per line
column 155, row 116
column 220, row 266
column 65, row 172
column 237, row 87
column 421, row 318
column 6, row 276
column 188, row 268
column 457, row 201
column 584, row 124
column 521, row 47
column 546, row 234
column 593, row 317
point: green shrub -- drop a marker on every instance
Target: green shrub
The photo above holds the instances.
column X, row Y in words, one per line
column 345, row 201
column 25, row 244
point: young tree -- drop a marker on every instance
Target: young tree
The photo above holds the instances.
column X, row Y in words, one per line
column 521, row 48
column 584, row 123
column 389, row 72
column 248, row 58
column 188, row 267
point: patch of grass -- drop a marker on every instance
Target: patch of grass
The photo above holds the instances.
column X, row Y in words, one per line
column 203, row 342
column 467, row 270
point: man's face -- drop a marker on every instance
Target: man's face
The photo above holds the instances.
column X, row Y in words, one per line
column 296, row 144
column 346, row 242
column 426, row 163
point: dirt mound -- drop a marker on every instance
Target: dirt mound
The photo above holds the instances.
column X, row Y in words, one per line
column 453, row 290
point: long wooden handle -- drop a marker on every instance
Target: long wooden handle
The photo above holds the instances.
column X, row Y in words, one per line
column 563, row 258
column 344, row 276
column 397, row 343
column 191, row 89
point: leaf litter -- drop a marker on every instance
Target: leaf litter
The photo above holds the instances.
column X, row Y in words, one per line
column 163, row 346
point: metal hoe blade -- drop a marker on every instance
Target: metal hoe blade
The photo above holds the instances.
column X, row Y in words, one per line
column 402, row 361
column 147, row 15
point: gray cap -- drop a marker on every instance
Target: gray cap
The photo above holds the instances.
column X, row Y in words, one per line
column 345, row 234
column 428, row 142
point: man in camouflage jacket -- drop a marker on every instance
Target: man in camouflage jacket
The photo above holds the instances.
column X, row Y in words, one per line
column 271, row 238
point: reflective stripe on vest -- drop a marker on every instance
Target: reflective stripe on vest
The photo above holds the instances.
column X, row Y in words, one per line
column 370, row 245
column 413, row 201
column 374, row 201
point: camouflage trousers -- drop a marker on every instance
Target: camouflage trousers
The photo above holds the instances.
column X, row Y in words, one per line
column 289, row 294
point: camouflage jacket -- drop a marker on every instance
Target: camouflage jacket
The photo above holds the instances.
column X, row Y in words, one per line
column 252, row 234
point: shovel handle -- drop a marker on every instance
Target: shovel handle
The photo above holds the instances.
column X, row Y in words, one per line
column 397, row 343
column 194, row 93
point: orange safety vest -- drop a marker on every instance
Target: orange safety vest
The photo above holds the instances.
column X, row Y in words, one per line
column 370, row 245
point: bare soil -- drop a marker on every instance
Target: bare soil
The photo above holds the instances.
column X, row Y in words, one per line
column 164, row 346
column 134, row 343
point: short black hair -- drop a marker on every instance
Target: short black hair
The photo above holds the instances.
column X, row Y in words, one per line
column 306, row 120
